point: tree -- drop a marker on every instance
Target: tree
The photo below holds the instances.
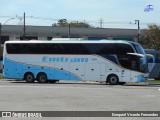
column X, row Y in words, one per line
column 65, row 23
column 79, row 24
column 151, row 38
column 62, row 22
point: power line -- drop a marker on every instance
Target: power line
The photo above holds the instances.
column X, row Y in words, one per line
column 101, row 21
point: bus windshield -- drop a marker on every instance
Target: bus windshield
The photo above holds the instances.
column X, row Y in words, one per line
column 134, row 62
column 143, row 65
column 138, row 48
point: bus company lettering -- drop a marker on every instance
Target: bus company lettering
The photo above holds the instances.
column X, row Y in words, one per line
column 63, row 59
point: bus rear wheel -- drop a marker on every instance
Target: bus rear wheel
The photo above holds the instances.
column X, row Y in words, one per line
column 29, row 77
column 42, row 78
column 113, row 79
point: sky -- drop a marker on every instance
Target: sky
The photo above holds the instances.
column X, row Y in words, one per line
column 112, row 13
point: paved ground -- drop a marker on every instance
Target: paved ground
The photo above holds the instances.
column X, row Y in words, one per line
column 78, row 96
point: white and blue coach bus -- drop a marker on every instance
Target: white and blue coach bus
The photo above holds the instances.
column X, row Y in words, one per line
column 110, row 61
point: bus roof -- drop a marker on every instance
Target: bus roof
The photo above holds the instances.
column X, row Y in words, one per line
column 70, row 41
column 67, row 38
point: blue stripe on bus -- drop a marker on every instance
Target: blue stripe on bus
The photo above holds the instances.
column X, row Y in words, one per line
column 141, row 78
column 17, row 70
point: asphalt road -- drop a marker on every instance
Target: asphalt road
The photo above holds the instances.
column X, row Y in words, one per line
column 77, row 96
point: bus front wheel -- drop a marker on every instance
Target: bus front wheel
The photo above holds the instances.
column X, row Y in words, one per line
column 29, row 77
column 113, row 79
column 42, row 78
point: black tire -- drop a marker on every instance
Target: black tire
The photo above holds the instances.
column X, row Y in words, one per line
column 42, row 78
column 29, row 77
column 113, row 80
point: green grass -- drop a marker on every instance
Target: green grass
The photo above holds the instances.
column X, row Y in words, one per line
column 154, row 82
column 1, row 76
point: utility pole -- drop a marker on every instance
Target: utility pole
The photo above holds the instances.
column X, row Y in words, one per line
column 24, row 27
column 69, row 30
column 101, row 22
column 137, row 21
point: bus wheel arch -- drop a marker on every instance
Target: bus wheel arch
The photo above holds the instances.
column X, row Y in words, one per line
column 112, row 79
column 29, row 77
column 42, row 77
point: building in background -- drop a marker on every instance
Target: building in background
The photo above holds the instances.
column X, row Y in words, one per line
column 15, row 32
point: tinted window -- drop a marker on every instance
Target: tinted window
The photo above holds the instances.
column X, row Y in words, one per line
column 139, row 49
column 43, row 48
column 124, row 49
column 60, row 48
column 129, row 61
column 99, row 48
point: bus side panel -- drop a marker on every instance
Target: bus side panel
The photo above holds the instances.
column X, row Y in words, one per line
column 12, row 70
column 61, row 71
column 133, row 76
column 35, row 69
column 64, row 75
column 102, row 72
column 15, row 70
column 18, row 71
column 126, row 75
column 51, row 71
column 54, row 71
column 92, row 72
column 8, row 69
column 78, row 70
column 141, row 78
